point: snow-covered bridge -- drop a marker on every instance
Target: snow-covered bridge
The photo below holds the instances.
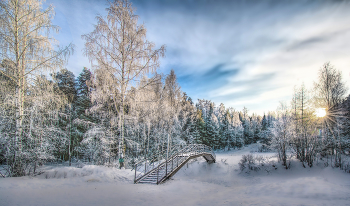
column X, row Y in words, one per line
column 156, row 172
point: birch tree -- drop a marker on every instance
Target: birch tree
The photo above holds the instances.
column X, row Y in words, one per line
column 120, row 55
column 26, row 49
column 281, row 134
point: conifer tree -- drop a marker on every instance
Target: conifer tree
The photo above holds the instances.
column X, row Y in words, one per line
column 201, row 128
column 65, row 81
column 83, row 102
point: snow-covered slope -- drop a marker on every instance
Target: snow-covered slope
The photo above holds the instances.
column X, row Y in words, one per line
column 199, row 184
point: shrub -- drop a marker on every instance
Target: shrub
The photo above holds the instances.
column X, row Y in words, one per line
column 250, row 163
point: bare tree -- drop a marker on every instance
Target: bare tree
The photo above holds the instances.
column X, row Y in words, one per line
column 26, row 48
column 329, row 94
column 300, row 103
column 329, row 91
column 120, row 54
column 304, row 141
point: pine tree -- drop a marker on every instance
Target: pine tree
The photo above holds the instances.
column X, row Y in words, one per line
column 66, row 84
column 65, row 81
column 226, row 139
column 83, row 102
column 201, row 129
column 264, row 123
column 83, row 120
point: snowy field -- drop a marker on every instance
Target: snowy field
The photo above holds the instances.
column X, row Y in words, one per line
column 198, row 184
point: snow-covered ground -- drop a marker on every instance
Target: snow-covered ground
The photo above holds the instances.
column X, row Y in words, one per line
column 199, row 184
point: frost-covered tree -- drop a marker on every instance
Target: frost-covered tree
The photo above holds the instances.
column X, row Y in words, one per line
column 300, row 103
column 256, row 127
column 83, row 120
column 42, row 139
column 223, row 118
column 264, row 133
column 187, row 117
column 66, row 84
column 281, row 134
column 83, row 102
column 238, row 130
column 213, row 131
column 329, row 93
column 97, row 145
column 26, row 49
column 344, row 123
column 304, row 141
column 172, row 89
column 45, row 116
column 201, row 127
column 226, row 130
column 120, row 55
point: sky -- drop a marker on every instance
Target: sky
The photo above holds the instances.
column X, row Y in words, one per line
column 244, row 53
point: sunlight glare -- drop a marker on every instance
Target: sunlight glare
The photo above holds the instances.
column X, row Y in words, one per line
column 320, row 112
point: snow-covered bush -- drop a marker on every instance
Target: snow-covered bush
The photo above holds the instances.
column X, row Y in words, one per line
column 261, row 148
column 250, row 163
column 347, row 168
column 264, row 148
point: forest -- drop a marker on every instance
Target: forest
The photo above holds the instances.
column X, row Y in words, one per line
column 122, row 107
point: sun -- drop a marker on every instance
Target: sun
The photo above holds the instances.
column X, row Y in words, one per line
column 321, row 112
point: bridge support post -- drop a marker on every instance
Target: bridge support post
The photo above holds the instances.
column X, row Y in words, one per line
column 167, row 157
column 135, row 173
column 157, row 173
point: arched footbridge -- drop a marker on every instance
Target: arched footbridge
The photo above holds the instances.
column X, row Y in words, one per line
column 156, row 171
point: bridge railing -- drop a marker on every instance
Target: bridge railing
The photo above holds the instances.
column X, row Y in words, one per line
column 144, row 167
column 148, row 164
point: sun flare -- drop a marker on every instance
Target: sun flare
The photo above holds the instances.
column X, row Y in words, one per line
column 320, row 112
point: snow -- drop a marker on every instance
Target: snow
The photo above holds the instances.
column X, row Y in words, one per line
column 200, row 183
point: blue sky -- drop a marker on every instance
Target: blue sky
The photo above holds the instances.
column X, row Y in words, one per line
column 240, row 53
